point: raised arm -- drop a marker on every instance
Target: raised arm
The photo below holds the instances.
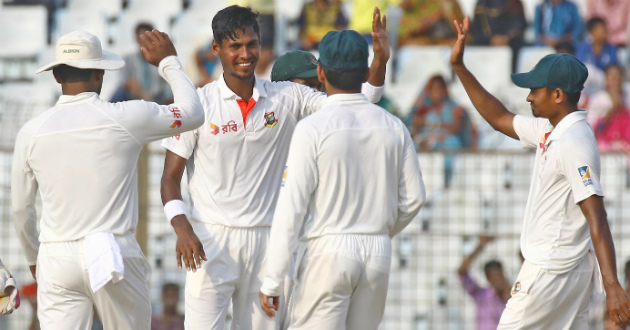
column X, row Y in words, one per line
column 381, row 49
column 465, row 265
column 616, row 297
column 493, row 111
column 188, row 247
column 149, row 121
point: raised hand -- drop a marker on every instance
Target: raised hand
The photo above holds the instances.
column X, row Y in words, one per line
column 457, row 54
column 379, row 36
column 155, row 46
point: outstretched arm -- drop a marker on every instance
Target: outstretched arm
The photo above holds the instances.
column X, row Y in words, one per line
column 493, row 111
column 616, row 297
column 465, row 265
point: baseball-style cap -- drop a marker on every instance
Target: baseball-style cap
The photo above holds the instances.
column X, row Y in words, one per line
column 83, row 50
column 294, row 64
column 561, row 71
column 345, row 49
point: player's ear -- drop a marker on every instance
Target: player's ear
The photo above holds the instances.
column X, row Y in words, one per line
column 215, row 48
column 558, row 95
column 320, row 75
column 98, row 75
column 56, row 75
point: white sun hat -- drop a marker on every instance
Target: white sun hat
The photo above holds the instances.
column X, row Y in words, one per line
column 83, row 50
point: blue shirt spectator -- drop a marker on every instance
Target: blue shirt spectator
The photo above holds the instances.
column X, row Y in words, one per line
column 596, row 50
column 557, row 21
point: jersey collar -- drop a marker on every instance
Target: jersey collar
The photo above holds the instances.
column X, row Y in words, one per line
column 346, row 98
column 79, row 98
column 227, row 93
column 565, row 123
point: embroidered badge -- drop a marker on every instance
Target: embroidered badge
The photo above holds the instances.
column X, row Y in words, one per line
column 585, row 173
column 270, row 119
column 517, row 288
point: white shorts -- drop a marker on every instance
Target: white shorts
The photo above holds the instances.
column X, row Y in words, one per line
column 541, row 301
column 341, row 282
column 233, row 272
column 64, row 297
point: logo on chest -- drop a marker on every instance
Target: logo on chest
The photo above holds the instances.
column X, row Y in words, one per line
column 229, row 127
column 270, row 120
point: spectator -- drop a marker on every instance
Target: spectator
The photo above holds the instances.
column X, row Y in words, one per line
column 317, row 19
column 499, row 23
column 615, row 13
column 428, row 22
column 141, row 80
column 266, row 21
column 361, row 22
column 207, row 63
column 596, row 50
column 557, row 21
column 170, row 319
column 436, row 122
column 609, row 99
column 490, row 301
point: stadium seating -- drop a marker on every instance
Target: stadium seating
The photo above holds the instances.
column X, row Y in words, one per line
column 191, row 31
column 167, row 8
column 23, row 34
column 491, row 65
column 82, row 19
column 529, row 56
column 110, row 8
column 124, row 38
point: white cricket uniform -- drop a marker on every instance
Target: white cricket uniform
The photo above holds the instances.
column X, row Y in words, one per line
column 81, row 155
column 354, row 168
column 554, row 285
column 235, row 165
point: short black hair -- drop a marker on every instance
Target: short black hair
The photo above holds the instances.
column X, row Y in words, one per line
column 228, row 21
column 492, row 264
column 345, row 79
column 572, row 97
column 170, row 286
column 69, row 74
column 593, row 22
column 144, row 26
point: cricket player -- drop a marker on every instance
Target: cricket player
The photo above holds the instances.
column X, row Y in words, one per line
column 81, row 155
column 353, row 166
column 235, row 163
column 9, row 293
column 299, row 67
column 565, row 230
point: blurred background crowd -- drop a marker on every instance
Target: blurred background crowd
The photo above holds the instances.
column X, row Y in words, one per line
column 466, row 237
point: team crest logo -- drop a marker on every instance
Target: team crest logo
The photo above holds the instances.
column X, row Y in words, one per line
column 585, row 173
column 517, row 288
column 270, row 119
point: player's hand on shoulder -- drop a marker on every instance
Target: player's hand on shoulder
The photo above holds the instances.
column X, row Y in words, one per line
column 155, row 46
column 618, row 304
column 457, row 54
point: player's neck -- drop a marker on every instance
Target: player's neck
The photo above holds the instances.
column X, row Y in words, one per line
column 77, row 88
column 330, row 90
column 244, row 88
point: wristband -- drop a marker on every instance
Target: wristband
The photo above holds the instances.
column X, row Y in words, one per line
column 174, row 208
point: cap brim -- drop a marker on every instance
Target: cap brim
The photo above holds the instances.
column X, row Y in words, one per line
column 109, row 61
column 307, row 74
column 526, row 80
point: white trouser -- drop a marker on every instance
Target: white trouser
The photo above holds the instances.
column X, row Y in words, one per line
column 341, row 282
column 285, row 309
column 542, row 301
column 65, row 300
column 233, row 272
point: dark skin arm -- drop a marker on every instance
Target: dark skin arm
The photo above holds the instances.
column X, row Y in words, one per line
column 491, row 109
column 617, row 300
column 188, row 248
column 465, row 265
column 381, row 49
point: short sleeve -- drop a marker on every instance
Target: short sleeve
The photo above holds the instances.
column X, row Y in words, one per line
column 582, row 167
column 182, row 144
column 530, row 130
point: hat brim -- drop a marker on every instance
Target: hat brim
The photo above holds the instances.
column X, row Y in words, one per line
column 310, row 73
column 526, row 80
column 109, row 61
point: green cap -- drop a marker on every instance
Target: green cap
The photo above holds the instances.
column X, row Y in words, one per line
column 294, row 64
column 345, row 49
column 561, row 71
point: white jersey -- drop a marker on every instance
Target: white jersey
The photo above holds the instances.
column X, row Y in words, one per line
column 236, row 159
column 556, row 235
column 82, row 155
column 354, row 168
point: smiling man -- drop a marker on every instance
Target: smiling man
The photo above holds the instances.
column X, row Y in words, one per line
column 565, row 225
column 235, row 163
